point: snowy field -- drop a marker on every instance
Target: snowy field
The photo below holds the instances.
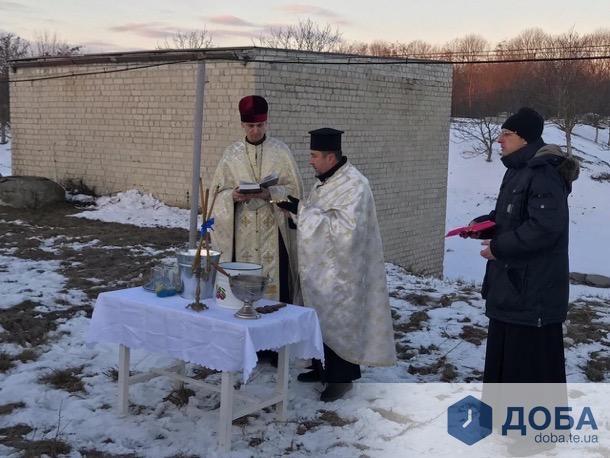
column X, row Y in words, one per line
column 59, row 393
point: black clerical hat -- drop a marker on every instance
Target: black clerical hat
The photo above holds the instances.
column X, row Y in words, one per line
column 325, row 139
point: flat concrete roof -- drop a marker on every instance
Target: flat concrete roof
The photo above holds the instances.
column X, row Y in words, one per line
column 243, row 54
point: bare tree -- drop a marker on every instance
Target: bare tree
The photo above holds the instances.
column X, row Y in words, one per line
column 307, row 35
column 11, row 47
column 482, row 132
column 418, row 48
column 600, row 79
column 566, row 96
column 353, row 47
column 48, row 44
column 194, row 39
column 529, row 44
column 465, row 77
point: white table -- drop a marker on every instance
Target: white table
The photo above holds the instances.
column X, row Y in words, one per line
column 214, row 338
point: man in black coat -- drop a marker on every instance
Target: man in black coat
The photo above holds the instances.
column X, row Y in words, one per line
column 526, row 283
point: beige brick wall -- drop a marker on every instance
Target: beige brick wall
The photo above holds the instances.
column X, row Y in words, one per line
column 124, row 130
column 134, row 130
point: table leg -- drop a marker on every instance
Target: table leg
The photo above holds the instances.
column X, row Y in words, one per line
column 123, row 380
column 226, row 412
column 281, row 386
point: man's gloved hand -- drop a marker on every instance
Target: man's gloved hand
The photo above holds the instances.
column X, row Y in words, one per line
column 292, row 205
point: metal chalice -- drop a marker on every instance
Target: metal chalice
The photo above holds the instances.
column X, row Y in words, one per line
column 248, row 288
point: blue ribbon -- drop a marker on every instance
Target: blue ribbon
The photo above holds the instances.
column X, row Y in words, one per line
column 207, row 227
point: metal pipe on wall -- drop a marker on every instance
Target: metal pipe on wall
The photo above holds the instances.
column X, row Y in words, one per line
column 197, row 136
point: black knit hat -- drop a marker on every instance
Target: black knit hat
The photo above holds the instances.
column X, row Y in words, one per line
column 527, row 123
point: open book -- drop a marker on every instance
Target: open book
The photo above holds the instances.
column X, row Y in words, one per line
column 247, row 187
column 469, row 231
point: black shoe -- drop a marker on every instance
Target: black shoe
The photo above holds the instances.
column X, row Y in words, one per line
column 335, row 391
column 309, row 377
column 267, row 356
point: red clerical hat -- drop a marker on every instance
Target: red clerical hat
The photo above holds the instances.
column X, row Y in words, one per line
column 253, row 108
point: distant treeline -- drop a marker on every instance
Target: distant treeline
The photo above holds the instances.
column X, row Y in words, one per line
column 565, row 76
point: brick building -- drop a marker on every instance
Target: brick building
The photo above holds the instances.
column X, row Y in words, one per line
column 118, row 130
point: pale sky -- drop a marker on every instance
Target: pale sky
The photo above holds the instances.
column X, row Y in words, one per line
column 138, row 24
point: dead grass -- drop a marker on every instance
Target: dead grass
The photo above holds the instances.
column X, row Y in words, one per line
column 201, row 372
column 11, row 433
column 25, row 326
column 27, row 355
column 447, row 299
column 598, row 367
column 448, row 373
column 581, row 328
column 49, row 447
column 13, row 437
column 180, row 396
column 65, row 379
column 307, row 425
column 416, row 322
column 255, row 441
column 474, row 335
column 419, row 299
column 6, row 362
column 405, row 352
column 427, row 350
column 329, row 417
column 92, row 453
column 7, row 409
column 429, row 369
column 113, row 373
column 245, row 420
column 332, row 418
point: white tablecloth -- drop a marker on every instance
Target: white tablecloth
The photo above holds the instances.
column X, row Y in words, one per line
column 213, row 338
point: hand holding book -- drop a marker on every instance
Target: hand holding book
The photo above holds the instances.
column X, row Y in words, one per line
column 482, row 230
column 247, row 187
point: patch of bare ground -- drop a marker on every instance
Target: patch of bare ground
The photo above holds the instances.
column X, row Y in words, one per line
column 446, row 371
column 94, row 268
column 65, row 379
column 7, row 409
column 325, row 417
column 180, row 395
column 598, row 366
column 28, row 327
column 14, row 437
column 473, row 334
column 92, row 453
column 416, row 322
column 581, row 325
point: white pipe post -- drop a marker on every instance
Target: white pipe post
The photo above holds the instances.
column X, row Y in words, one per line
column 197, row 136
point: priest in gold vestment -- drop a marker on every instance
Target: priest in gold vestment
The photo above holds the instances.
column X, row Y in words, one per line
column 249, row 227
column 341, row 267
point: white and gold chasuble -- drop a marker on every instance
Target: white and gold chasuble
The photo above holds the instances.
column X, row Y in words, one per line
column 342, row 270
column 254, row 224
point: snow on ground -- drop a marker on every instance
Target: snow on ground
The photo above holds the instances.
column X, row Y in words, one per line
column 137, row 208
column 24, row 279
column 5, row 159
column 439, row 331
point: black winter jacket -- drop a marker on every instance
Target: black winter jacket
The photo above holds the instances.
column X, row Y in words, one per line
column 528, row 283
